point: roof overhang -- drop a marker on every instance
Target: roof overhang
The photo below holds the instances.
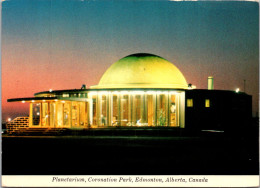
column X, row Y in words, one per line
column 32, row 99
column 45, row 99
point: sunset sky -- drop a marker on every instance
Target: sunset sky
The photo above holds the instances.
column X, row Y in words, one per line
column 55, row 44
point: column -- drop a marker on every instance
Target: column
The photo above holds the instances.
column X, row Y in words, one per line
column 110, row 108
column 98, row 108
column 107, row 110
column 134, row 110
column 70, row 122
column 167, row 113
column 119, row 108
column 182, row 110
column 154, row 109
column 177, row 102
column 130, row 108
column 31, row 115
column 144, row 108
column 90, row 116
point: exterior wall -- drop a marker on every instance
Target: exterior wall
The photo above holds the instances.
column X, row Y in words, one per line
column 137, row 108
column 59, row 114
column 227, row 110
column 101, row 108
column 17, row 124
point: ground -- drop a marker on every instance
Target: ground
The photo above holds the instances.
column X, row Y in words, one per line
column 210, row 154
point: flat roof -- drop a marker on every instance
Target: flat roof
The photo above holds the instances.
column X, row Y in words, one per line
column 30, row 99
column 110, row 89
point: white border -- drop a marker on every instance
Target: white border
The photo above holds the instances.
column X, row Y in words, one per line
column 130, row 181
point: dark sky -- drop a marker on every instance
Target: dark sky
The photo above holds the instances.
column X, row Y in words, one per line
column 54, row 44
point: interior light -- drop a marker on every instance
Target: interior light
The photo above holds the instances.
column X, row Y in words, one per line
column 103, row 92
column 9, row 119
column 173, row 92
column 150, row 92
column 33, row 101
column 50, row 90
column 124, row 92
column 92, row 93
column 115, row 92
column 138, row 92
column 23, row 101
column 237, row 90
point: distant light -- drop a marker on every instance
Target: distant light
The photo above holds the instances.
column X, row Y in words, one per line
column 237, row 90
column 9, row 119
column 33, row 101
column 43, row 100
column 23, row 101
column 50, row 90
column 56, row 100
column 63, row 101
column 38, row 113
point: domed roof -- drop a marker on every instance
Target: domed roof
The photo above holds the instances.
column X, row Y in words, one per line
column 142, row 71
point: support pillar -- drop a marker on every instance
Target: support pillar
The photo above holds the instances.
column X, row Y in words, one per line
column 155, row 109
column 90, row 116
column 31, row 115
column 119, row 108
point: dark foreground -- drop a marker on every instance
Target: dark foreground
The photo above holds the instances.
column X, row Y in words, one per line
column 130, row 155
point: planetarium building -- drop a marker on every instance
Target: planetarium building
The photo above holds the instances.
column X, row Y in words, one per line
column 138, row 90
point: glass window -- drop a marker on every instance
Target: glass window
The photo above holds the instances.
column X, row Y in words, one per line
column 65, row 95
column 207, row 103
column 75, row 114
column 137, row 110
column 161, row 115
column 115, row 110
column 189, row 102
column 94, row 105
column 59, row 114
column 150, row 110
column 66, row 114
column 172, row 110
column 83, row 113
column 104, row 110
column 124, row 110
column 45, row 114
column 52, row 114
column 36, row 113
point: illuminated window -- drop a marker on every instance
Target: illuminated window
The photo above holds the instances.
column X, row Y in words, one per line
column 103, row 110
column 125, row 110
column 36, row 107
column 65, row 95
column 189, row 102
column 207, row 103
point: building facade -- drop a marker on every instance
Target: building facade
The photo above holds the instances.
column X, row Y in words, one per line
column 138, row 90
